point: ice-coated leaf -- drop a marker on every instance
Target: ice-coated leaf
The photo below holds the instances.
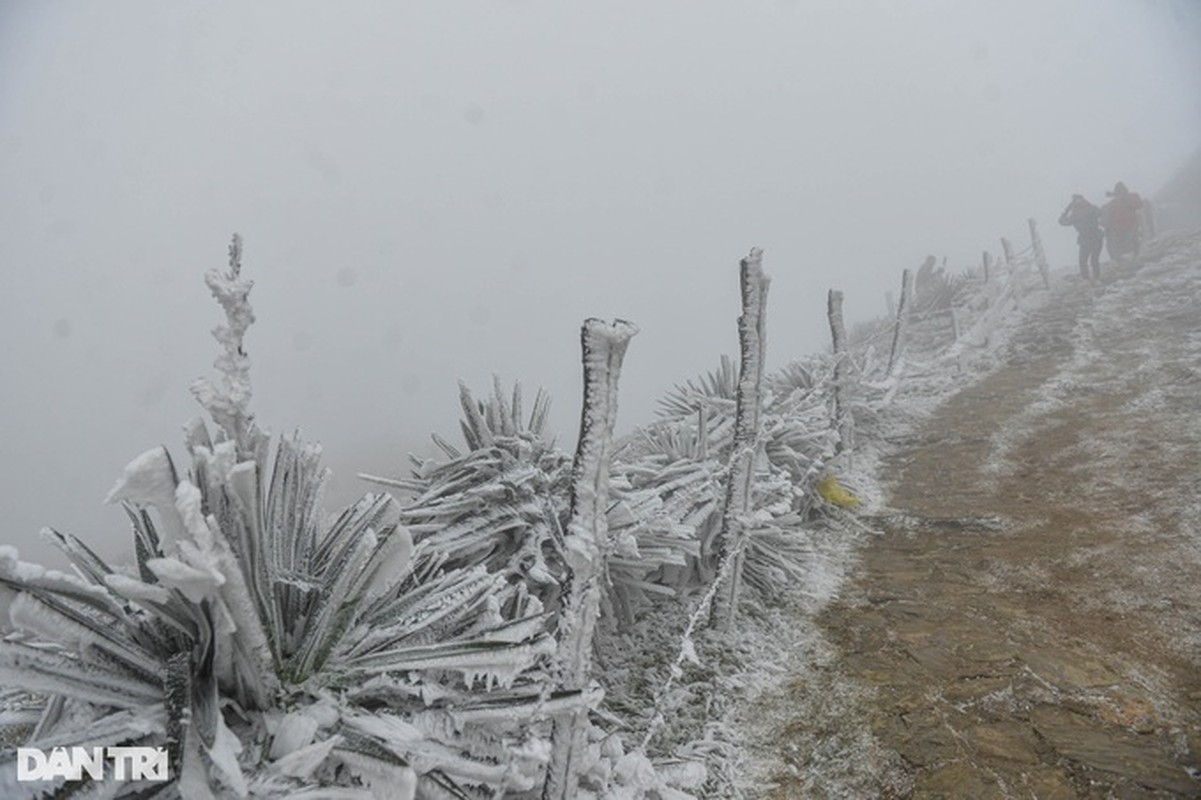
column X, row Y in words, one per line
column 388, row 775
column 389, row 564
column 134, row 589
column 195, row 584
column 302, row 762
column 490, row 662
column 39, row 670
column 82, row 556
column 149, row 482
column 296, row 731
column 118, row 727
column 224, row 756
column 193, row 781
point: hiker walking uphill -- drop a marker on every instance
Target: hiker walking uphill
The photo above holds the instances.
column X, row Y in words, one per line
column 1086, row 219
column 1120, row 218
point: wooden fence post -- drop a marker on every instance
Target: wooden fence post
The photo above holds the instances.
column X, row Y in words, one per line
column 1007, row 249
column 1040, row 255
column 604, row 346
column 987, row 260
column 844, row 423
column 902, row 323
column 752, row 335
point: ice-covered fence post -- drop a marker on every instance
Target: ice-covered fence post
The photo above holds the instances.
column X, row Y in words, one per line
column 843, row 422
column 604, row 346
column 987, row 259
column 902, row 323
column 1007, row 249
column 1040, row 255
column 752, row 336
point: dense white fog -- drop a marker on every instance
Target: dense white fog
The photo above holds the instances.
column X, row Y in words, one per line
column 441, row 191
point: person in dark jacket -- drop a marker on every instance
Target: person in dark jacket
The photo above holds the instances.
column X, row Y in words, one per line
column 1120, row 218
column 1086, row 219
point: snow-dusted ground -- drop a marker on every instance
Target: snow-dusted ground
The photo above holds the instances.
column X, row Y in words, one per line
column 1115, row 334
column 791, row 673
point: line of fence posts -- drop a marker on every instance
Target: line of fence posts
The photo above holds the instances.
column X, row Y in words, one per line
column 604, row 345
column 752, row 338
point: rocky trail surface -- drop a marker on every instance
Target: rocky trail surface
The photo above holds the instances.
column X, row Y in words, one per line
column 1027, row 623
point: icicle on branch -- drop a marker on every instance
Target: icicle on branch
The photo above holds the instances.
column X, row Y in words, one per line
column 604, row 346
column 228, row 400
column 752, row 336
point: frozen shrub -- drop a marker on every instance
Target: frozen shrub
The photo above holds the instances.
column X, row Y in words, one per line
column 271, row 653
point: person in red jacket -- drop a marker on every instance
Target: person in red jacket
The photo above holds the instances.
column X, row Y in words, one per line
column 1120, row 218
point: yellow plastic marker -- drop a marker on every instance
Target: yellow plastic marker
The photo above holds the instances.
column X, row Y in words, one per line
column 832, row 492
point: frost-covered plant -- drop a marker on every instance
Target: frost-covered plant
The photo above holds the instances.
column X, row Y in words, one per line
column 502, row 504
column 796, row 407
column 660, row 523
column 793, row 434
column 271, row 653
column 669, row 483
column 714, row 389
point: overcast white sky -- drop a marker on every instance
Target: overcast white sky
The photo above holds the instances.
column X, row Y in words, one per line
column 442, row 190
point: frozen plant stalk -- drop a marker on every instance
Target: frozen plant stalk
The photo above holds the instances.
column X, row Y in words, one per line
column 752, row 342
column 604, row 345
column 229, row 402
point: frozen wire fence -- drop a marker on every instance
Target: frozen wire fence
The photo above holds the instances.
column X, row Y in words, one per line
column 431, row 645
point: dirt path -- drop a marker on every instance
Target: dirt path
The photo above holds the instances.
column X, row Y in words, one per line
column 1030, row 619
